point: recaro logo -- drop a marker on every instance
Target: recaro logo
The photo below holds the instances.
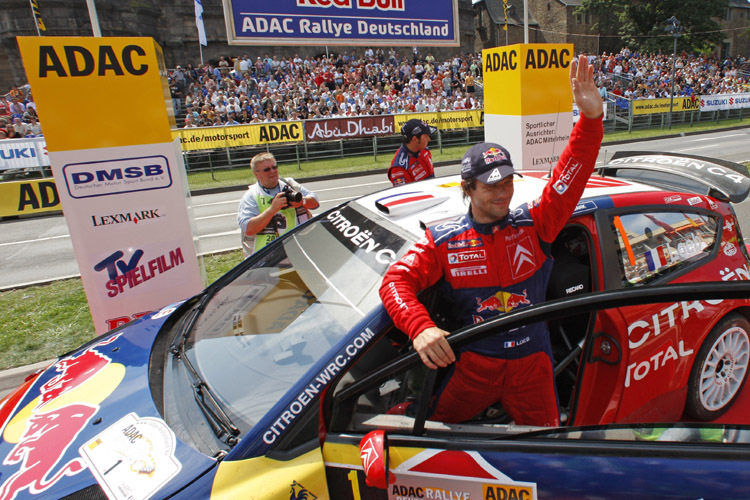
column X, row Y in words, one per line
column 127, row 175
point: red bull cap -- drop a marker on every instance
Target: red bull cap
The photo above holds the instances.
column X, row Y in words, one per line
column 488, row 162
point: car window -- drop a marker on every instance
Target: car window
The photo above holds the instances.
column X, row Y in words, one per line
column 656, row 243
column 260, row 333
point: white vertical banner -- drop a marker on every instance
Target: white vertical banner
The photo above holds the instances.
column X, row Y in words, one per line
column 121, row 182
column 132, row 236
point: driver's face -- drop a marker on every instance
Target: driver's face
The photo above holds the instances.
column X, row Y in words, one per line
column 491, row 202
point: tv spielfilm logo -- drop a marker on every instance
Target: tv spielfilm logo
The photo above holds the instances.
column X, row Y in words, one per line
column 126, row 175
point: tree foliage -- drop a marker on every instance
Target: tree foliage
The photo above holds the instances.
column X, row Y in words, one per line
column 640, row 24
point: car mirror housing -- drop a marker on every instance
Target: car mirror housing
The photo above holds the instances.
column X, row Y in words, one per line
column 373, row 451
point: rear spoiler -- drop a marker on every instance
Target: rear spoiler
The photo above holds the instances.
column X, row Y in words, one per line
column 720, row 179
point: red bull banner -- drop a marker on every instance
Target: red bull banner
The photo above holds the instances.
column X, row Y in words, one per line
column 347, row 128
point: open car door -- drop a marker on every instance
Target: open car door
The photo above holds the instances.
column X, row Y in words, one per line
column 380, row 443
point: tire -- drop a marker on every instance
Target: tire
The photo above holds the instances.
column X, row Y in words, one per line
column 720, row 369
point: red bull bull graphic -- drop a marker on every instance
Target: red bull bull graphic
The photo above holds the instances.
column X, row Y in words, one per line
column 503, row 302
column 46, row 439
column 44, row 430
column 492, row 155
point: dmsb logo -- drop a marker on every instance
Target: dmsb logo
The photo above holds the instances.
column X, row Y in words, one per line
column 127, row 175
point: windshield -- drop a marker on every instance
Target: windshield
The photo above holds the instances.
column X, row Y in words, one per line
column 260, row 333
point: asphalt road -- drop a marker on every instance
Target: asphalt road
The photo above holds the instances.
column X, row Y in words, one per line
column 39, row 249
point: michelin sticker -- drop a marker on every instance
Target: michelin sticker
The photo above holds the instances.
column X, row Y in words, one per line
column 133, row 458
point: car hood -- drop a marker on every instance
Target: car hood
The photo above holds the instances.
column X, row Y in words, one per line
column 90, row 418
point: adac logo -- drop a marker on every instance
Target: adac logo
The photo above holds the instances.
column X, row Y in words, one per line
column 299, row 492
column 492, row 155
column 502, row 302
column 473, row 243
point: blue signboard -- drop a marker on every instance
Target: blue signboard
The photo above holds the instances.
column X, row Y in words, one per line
column 342, row 22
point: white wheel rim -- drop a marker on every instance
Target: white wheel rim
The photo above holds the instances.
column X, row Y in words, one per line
column 724, row 369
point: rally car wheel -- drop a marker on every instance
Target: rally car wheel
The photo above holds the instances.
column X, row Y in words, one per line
column 720, row 369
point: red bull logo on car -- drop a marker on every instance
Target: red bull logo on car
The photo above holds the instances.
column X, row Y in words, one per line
column 503, row 302
column 44, row 430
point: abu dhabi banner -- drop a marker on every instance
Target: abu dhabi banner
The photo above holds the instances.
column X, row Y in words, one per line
column 342, row 22
column 332, row 129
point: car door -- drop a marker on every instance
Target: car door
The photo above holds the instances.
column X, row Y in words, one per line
column 380, row 445
column 644, row 246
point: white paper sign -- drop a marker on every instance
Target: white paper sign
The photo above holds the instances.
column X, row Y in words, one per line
column 133, row 458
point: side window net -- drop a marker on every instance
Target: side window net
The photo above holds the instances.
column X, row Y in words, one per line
column 654, row 244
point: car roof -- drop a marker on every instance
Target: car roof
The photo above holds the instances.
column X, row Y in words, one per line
column 418, row 205
column 426, row 203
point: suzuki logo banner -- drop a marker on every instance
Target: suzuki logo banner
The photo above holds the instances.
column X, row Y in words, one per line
column 342, row 22
column 121, row 183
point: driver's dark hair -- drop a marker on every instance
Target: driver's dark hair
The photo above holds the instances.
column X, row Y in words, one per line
column 407, row 141
column 467, row 185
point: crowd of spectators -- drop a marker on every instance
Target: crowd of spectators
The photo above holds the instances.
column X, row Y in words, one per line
column 18, row 117
column 373, row 82
column 233, row 91
column 649, row 76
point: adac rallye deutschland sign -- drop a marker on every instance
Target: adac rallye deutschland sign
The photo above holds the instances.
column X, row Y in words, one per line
column 342, row 22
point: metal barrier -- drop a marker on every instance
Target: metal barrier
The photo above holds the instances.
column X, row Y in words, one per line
column 222, row 166
column 217, row 165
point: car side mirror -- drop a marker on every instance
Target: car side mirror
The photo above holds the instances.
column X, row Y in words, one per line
column 373, row 451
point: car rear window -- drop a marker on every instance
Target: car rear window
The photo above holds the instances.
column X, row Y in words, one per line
column 656, row 243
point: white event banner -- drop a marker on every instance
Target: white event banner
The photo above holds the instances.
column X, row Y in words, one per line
column 127, row 210
column 29, row 152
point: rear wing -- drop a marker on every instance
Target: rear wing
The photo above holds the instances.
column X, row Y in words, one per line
column 720, row 179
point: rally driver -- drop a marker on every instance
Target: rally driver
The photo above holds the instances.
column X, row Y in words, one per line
column 490, row 261
column 413, row 160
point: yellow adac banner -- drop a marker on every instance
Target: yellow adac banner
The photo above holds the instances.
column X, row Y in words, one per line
column 192, row 139
column 119, row 84
column 651, row 106
column 445, row 120
column 527, row 79
column 28, row 197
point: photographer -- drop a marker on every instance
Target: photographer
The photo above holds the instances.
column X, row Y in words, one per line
column 271, row 206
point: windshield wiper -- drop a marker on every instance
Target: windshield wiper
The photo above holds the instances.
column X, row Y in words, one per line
column 218, row 420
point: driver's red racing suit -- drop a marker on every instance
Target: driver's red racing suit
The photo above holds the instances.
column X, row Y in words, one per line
column 491, row 269
column 407, row 167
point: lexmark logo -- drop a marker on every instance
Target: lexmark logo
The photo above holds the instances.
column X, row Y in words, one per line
column 85, row 180
column 133, row 217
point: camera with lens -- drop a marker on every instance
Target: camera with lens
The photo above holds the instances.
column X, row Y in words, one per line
column 291, row 195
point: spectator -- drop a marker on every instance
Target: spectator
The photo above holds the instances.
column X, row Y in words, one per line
column 265, row 211
column 19, row 127
column 33, row 128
